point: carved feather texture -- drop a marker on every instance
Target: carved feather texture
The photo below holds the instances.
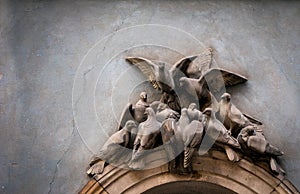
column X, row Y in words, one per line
column 216, row 78
column 193, row 66
column 188, row 153
column 204, row 60
column 147, row 67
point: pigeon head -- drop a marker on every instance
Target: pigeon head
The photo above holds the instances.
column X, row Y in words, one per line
column 192, row 106
column 208, row 112
column 150, row 112
column 184, row 111
column 130, row 125
column 143, row 96
column 161, row 65
column 226, row 97
column 183, row 81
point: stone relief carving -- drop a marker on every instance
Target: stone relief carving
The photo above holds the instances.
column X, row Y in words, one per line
column 186, row 113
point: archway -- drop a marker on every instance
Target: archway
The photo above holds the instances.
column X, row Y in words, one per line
column 188, row 187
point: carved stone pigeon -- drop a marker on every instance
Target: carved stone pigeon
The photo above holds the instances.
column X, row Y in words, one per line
column 172, row 147
column 233, row 119
column 217, row 131
column 182, row 123
column 160, row 75
column 163, row 112
column 230, row 115
column 200, row 65
column 166, row 78
column 194, row 113
column 214, row 80
column 116, row 150
column 192, row 137
column 148, row 134
column 136, row 113
column 183, row 120
column 254, row 144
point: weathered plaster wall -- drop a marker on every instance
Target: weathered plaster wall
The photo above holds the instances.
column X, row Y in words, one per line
column 43, row 42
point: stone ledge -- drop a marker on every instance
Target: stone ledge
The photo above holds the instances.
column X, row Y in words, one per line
column 214, row 167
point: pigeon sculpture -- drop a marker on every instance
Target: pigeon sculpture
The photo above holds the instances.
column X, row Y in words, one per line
column 233, row 119
column 160, row 75
column 147, row 135
column 183, row 120
column 254, row 144
column 181, row 125
column 194, row 113
column 217, row 131
column 166, row 78
column 136, row 113
column 163, row 112
column 192, row 137
column 116, row 150
column 213, row 80
column 172, row 147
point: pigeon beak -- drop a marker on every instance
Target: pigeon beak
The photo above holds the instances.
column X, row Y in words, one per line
column 192, row 58
column 223, row 96
column 181, row 83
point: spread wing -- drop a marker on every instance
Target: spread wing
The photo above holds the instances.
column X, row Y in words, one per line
column 185, row 66
column 239, row 117
column 236, row 115
column 204, row 60
column 147, row 67
column 127, row 114
column 252, row 119
column 217, row 79
column 201, row 63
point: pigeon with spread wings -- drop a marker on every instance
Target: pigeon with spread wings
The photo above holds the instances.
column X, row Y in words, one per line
column 210, row 84
column 166, row 78
column 194, row 66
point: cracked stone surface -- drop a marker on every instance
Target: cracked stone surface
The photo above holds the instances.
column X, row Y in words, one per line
column 43, row 42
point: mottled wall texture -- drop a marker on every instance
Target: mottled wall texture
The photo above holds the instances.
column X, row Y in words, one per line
column 42, row 44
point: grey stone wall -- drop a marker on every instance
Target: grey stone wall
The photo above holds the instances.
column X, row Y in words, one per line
column 42, row 44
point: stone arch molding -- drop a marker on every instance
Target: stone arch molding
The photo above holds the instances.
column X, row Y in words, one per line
column 213, row 168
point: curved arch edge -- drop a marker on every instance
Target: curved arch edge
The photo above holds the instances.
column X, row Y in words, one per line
column 241, row 177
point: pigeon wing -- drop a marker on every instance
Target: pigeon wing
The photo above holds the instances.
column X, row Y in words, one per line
column 181, row 68
column 201, row 63
column 252, row 119
column 217, row 78
column 236, row 115
column 204, row 60
column 147, row 67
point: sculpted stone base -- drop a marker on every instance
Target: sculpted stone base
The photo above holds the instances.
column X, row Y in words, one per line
column 212, row 168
